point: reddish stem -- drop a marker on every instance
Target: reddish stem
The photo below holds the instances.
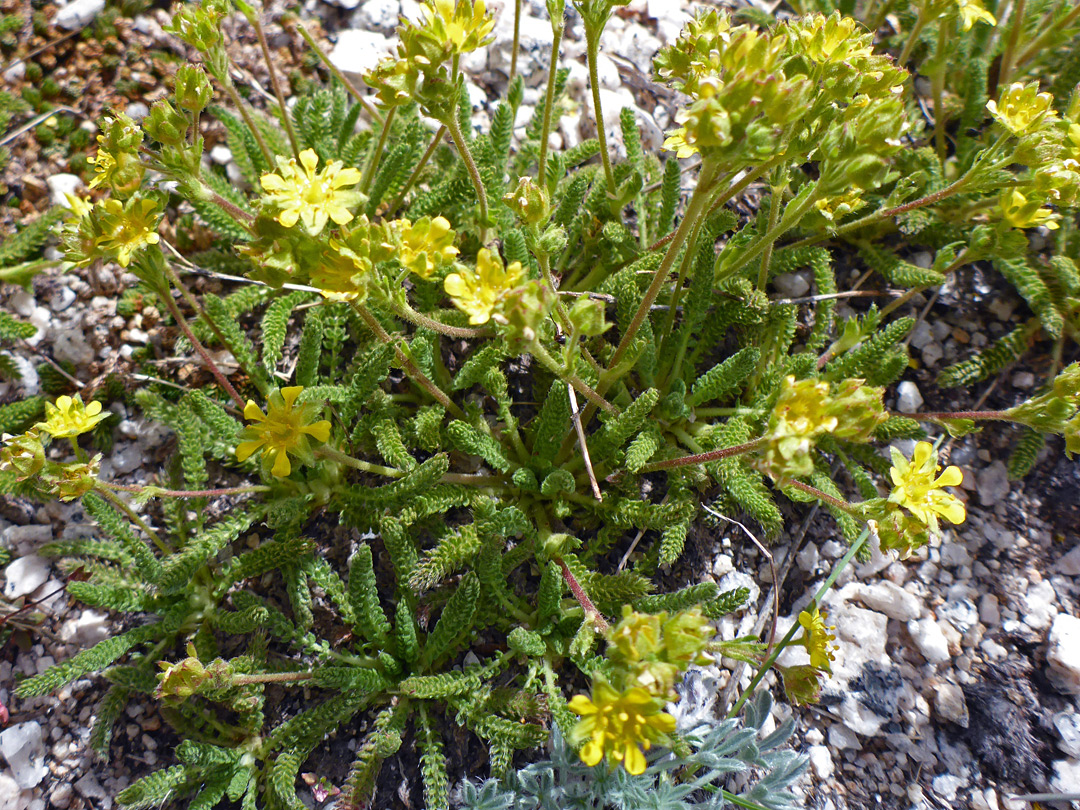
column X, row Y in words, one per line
column 583, row 599
column 702, row 458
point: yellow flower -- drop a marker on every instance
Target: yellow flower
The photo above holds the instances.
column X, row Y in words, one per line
column 23, row 455
column 1020, row 212
column 479, row 292
column 1022, row 107
column 816, row 639
column 916, row 488
column 463, row 26
column 282, row 430
column 424, row 246
column 127, row 227
column 301, row 193
column 971, row 11
column 619, row 725
column 69, row 417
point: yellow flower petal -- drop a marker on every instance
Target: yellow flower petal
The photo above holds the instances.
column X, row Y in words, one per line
column 633, row 760
column 252, row 412
column 952, row 477
column 591, row 753
column 281, row 467
column 245, row 449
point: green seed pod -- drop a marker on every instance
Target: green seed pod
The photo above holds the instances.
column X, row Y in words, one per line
column 165, row 124
column 193, row 89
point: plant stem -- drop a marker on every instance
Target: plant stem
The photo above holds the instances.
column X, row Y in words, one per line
column 843, row 506
column 594, row 615
column 334, row 454
column 694, row 211
column 181, row 321
column 815, row 602
column 410, row 368
column 236, row 212
column 454, row 126
column 1017, row 20
column 230, row 89
column 285, row 117
column 937, row 86
column 186, row 493
column 106, row 490
column 765, row 241
column 913, row 37
column 414, row 317
column 334, row 71
column 1051, row 30
column 766, row 257
column 537, row 350
column 703, row 458
column 416, row 172
column 517, row 40
column 549, row 97
column 592, row 44
column 999, row 416
column 272, row 677
column 376, row 155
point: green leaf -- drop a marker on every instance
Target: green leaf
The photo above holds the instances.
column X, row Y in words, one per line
column 456, row 620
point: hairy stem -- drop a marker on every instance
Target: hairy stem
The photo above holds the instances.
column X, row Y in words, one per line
column 414, row 317
column 416, row 172
column 334, row 70
column 185, row 493
column 376, row 155
column 517, row 41
column 592, row 42
column 913, row 37
column 549, row 97
column 285, row 117
column 766, row 256
column 452, row 124
column 703, row 458
column 591, row 612
column 105, row 490
column 1051, row 30
column 410, row 368
column 218, row 374
column 230, row 89
column 537, row 350
column 1016, row 18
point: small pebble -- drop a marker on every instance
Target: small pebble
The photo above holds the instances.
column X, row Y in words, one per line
column 908, row 398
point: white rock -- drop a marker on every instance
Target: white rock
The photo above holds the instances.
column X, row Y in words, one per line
column 15, row 73
column 24, row 749
column 949, row 703
column 792, row 285
column 137, row 111
column 1068, row 729
column 993, row 483
column 346, row 4
column 808, row 558
column 25, row 539
column 842, row 737
column 378, row 14
column 892, row 600
column 23, row 303
column 1038, row 608
column 989, row 612
column 534, row 47
column 70, row 346
column 1066, row 778
column 821, row 761
column 89, row 788
column 78, row 14
column 357, row 51
column 62, row 184
column 921, row 335
column 25, row 575
column 947, row 784
column 10, row 794
column 61, row 299
column 908, row 398
column 930, row 640
column 221, row 154
column 1063, row 654
column 722, row 565
column 607, row 72
column 960, row 613
column 932, row 354
column 1070, row 563
column 88, row 628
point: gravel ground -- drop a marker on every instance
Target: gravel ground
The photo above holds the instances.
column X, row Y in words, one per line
column 957, row 680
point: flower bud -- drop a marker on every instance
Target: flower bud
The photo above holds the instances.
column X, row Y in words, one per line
column 553, row 240
column 24, row 455
column 802, row 684
column 193, row 88
column 197, row 26
column 165, row 124
column 587, row 317
column 69, row 482
column 529, row 201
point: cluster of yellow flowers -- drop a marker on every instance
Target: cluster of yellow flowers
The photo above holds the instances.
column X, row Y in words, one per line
column 808, row 409
column 24, row 455
column 910, row 515
column 647, row 654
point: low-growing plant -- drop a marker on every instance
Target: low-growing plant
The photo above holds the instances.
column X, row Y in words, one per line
column 485, row 388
